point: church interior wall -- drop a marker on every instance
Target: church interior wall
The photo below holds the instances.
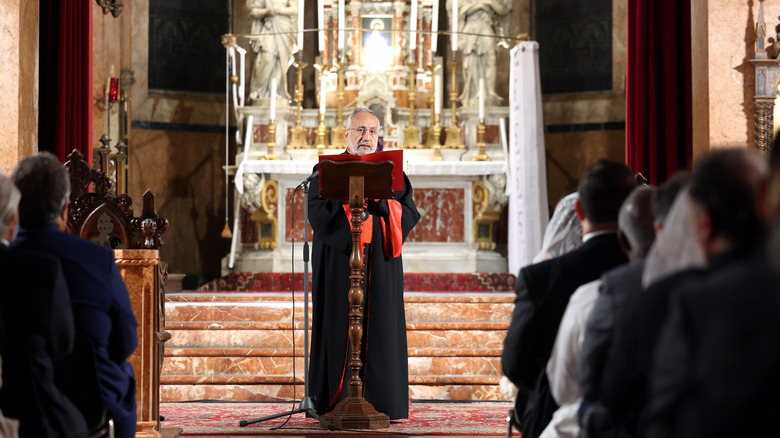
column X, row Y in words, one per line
column 582, row 127
column 732, row 44
column 18, row 81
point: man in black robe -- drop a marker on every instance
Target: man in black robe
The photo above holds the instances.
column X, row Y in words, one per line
column 383, row 346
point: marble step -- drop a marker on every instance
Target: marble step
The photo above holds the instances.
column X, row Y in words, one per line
column 239, row 346
column 281, row 367
column 268, row 307
column 281, row 392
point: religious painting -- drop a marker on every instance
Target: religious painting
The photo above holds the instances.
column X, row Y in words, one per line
column 575, row 45
column 377, row 37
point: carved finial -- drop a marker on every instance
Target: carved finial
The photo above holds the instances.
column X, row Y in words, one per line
column 761, row 32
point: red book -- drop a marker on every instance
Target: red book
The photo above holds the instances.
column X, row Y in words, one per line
column 396, row 156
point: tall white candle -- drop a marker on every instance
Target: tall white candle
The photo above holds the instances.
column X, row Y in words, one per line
column 273, row 99
column 342, row 24
column 435, row 27
column 454, row 28
column 300, row 25
column 437, row 93
column 322, row 93
column 481, row 98
column 320, row 26
column 413, row 27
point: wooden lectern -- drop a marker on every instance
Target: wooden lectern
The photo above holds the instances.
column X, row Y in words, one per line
column 355, row 181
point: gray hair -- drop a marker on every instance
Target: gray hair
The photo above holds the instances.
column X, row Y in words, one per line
column 357, row 111
column 9, row 203
column 45, row 188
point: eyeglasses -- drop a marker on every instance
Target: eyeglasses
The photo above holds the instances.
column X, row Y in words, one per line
column 373, row 132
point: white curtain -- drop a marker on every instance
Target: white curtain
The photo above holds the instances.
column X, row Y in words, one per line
column 527, row 181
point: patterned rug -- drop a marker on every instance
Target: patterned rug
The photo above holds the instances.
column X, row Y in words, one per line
column 430, row 418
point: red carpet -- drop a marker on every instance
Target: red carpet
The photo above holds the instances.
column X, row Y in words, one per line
column 449, row 418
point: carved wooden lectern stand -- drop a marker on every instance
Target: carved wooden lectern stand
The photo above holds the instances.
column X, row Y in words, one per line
column 356, row 181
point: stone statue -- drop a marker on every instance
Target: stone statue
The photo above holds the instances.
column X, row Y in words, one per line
column 274, row 23
column 476, row 22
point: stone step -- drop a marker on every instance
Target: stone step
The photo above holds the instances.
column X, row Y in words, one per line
column 239, row 345
column 238, row 367
column 288, row 392
column 453, row 337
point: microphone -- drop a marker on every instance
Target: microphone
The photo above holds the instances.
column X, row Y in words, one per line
column 307, row 180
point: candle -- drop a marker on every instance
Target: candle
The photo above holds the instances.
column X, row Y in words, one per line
column 437, row 93
column 481, row 99
column 242, row 80
column 413, row 27
column 322, row 93
column 435, row 27
column 273, row 99
column 321, row 27
column 454, row 29
column 300, row 25
column 342, row 20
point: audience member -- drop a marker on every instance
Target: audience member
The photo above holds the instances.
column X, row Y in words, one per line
column 715, row 366
column 543, row 289
column 101, row 305
column 38, row 328
column 635, row 235
column 564, row 231
column 618, row 289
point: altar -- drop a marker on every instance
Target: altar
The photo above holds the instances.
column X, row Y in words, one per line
column 439, row 105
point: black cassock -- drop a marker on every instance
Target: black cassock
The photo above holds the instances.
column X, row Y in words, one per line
column 383, row 348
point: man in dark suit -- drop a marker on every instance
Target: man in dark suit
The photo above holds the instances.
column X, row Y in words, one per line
column 543, row 289
column 601, row 415
column 715, row 368
column 101, row 305
column 38, row 329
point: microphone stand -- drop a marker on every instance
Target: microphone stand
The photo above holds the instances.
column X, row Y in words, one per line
column 306, row 405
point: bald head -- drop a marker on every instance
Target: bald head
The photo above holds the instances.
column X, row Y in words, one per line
column 635, row 223
column 9, row 204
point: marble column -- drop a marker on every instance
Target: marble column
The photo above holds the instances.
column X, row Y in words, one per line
column 18, row 81
column 139, row 270
column 399, row 47
column 353, row 8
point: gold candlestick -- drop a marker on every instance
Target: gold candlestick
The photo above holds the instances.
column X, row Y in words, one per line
column 269, row 155
column 339, row 141
column 322, row 135
column 411, row 133
column 453, row 131
column 298, row 140
column 481, row 155
column 434, row 132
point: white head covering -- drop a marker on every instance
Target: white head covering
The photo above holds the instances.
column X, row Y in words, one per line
column 563, row 232
column 675, row 248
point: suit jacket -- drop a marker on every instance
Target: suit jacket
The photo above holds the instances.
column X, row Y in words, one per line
column 543, row 291
column 101, row 309
column 715, row 369
column 617, row 287
column 39, row 328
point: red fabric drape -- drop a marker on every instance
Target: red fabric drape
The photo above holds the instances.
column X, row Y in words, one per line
column 658, row 88
column 65, row 99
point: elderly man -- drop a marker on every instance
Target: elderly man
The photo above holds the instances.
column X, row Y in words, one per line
column 101, row 305
column 39, row 330
column 383, row 347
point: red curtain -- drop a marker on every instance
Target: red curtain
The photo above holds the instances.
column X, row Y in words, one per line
column 65, row 99
column 658, row 88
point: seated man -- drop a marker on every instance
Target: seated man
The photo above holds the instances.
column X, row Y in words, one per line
column 38, row 329
column 543, row 289
column 101, row 305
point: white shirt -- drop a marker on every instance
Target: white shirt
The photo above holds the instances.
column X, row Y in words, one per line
column 564, row 360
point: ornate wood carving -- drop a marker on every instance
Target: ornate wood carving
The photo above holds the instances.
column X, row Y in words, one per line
column 90, row 212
